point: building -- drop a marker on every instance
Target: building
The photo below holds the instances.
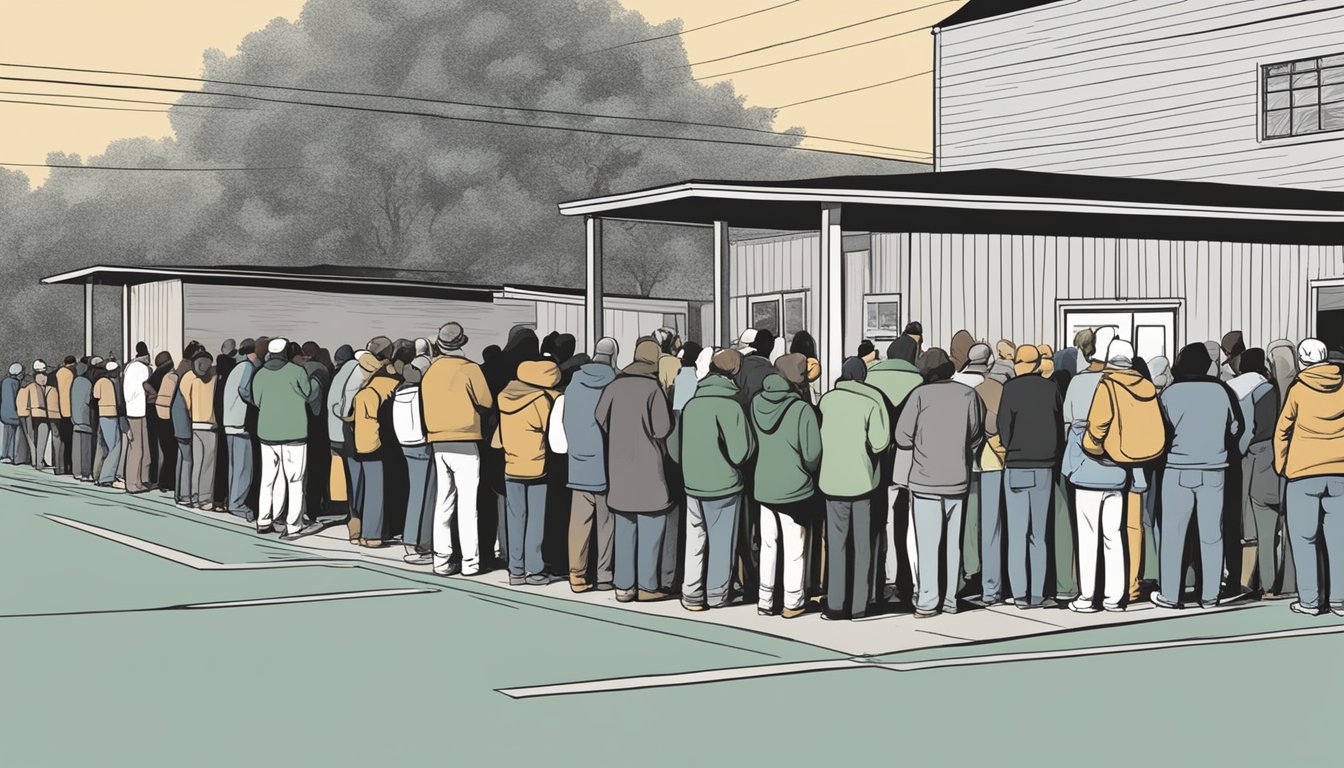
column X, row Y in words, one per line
column 1086, row 159
column 167, row 306
column 1248, row 92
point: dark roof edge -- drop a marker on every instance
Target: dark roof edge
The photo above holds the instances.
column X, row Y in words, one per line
column 976, row 10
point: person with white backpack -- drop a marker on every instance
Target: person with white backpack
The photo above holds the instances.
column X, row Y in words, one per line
column 408, row 421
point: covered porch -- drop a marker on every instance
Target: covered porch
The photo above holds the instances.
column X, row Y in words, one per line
column 1064, row 239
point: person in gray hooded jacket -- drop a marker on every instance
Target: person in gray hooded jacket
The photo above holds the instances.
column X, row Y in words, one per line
column 83, row 423
column 9, row 415
column 236, row 438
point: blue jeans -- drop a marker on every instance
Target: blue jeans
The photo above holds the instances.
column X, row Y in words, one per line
column 1316, row 512
column 240, row 475
column 109, row 437
column 937, row 521
column 990, row 486
column 182, row 491
column 639, row 548
column 711, row 525
column 369, row 491
column 11, row 432
column 1191, row 494
column 526, row 506
column 1029, row 492
column 419, row 528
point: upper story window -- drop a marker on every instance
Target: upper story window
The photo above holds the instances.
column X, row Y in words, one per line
column 1304, row 97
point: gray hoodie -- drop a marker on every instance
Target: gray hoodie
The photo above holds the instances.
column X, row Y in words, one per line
column 943, row 424
column 234, row 416
column 1202, row 419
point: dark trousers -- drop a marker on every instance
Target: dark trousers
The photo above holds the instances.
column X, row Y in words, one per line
column 62, row 450
column 849, row 558
column 369, row 490
column 167, row 455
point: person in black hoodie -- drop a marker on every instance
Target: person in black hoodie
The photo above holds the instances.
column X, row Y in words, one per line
column 159, row 430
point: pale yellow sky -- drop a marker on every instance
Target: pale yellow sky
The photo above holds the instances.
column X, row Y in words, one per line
column 169, row 36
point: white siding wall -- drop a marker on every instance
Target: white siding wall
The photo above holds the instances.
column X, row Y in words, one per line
column 626, row 326
column 156, row 317
column 775, row 265
column 1143, row 88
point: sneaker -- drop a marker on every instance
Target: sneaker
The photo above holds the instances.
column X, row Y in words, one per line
column 1079, row 606
column 1029, row 606
column 695, row 607
column 625, row 595
column 1338, row 610
column 1208, row 604
column 605, row 587
column 925, row 614
column 264, row 529
column 119, row 484
column 452, row 570
column 1298, row 607
column 985, row 602
column 652, row 597
column 416, row 558
column 1113, row 608
column 792, row 613
column 951, row 608
column 579, row 587
column 540, row 580
column 1161, row 602
column 517, row 581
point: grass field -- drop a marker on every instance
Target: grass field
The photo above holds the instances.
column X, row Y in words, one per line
column 115, row 656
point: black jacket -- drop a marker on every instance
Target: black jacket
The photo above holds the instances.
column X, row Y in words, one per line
column 1031, row 422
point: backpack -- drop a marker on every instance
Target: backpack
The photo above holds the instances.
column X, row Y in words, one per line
column 1137, row 434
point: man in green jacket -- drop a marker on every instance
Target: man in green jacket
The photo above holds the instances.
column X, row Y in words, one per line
column 896, row 377
column 712, row 442
column 789, row 435
column 281, row 392
column 855, row 433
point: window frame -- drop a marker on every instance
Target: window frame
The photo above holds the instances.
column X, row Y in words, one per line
column 874, row 334
column 1263, row 95
column 780, row 300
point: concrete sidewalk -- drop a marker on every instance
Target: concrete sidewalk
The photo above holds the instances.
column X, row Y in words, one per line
column 873, row 636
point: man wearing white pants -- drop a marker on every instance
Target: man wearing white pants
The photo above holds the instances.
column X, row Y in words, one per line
column 282, row 394
column 1101, row 515
column 453, row 394
column 283, row 469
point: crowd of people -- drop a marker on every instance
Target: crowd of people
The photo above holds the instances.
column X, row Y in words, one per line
column 924, row 480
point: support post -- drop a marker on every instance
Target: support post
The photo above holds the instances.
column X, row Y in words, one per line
column 593, row 285
column 832, row 336
column 88, row 318
column 723, row 326
column 125, row 323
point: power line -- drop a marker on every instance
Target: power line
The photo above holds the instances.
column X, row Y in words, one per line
column 682, row 32
column 855, row 90
column 446, row 102
column 129, row 101
column 142, row 168
column 82, row 106
column 810, row 55
column 814, row 34
column 454, row 118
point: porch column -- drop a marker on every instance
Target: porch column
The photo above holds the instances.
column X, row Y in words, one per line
column 832, row 335
column 723, row 326
column 126, row 343
column 88, row 318
column 593, row 285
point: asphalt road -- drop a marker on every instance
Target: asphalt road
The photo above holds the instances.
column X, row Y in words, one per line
column 133, row 633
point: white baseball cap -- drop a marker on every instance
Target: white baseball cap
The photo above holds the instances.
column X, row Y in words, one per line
column 277, row 346
column 747, row 339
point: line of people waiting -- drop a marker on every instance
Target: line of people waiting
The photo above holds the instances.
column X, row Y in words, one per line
column 927, row 480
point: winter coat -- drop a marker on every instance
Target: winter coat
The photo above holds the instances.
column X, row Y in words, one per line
column 683, row 388
column 408, row 419
column 198, row 390
column 281, row 390
column 9, row 396
column 1001, row 372
column 1309, row 438
column 855, row 433
column 895, row 379
column 1203, row 420
column 234, row 415
column 163, row 402
column 454, row 393
column 577, row 426
column 65, row 379
column 133, row 383
column 634, row 414
column 788, row 432
column 1259, row 405
column 1031, row 422
column 32, row 401
column 370, row 405
column 943, row 425
column 524, row 413
column 1083, row 470
column 105, row 392
column 713, row 440
column 177, row 410
column 751, row 377
column 81, row 401
column 1120, row 396
column 337, row 406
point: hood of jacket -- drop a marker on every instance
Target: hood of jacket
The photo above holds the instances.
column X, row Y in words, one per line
column 716, row 386
column 769, row 407
column 1322, row 378
column 595, row 376
column 536, row 378
column 82, row 369
column 1134, row 383
column 203, row 368
column 274, row 363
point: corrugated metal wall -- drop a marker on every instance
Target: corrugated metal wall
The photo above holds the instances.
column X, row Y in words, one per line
column 156, row 316
column 774, row 265
column 624, row 325
column 213, row 313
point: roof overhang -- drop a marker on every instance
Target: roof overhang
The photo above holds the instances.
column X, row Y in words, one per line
column 1222, row 212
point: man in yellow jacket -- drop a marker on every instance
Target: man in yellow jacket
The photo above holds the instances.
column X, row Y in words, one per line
column 524, row 413
column 369, row 408
column 454, row 394
column 1309, row 451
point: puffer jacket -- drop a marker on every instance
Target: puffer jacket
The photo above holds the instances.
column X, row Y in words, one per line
column 713, row 441
column 524, row 413
column 788, row 433
column 1309, row 438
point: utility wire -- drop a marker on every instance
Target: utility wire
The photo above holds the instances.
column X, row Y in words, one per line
column 682, row 32
column 454, row 118
column 811, row 55
column 82, row 106
column 129, row 101
column 853, row 90
column 447, row 102
column 141, row 168
column 813, row 35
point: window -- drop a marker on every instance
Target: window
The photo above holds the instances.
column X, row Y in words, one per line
column 786, row 312
column 882, row 316
column 1303, row 97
